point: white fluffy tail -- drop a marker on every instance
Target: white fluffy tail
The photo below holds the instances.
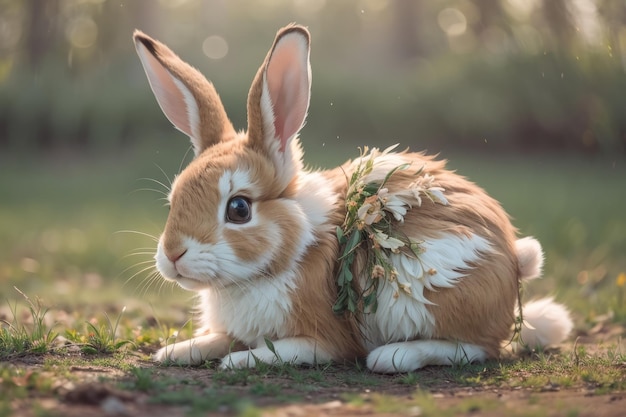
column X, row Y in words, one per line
column 546, row 323
column 530, row 257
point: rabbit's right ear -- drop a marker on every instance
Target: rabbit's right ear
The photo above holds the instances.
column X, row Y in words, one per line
column 188, row 100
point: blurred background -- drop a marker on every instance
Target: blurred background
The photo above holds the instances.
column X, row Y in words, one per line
column 527, row 97
column 518, row 74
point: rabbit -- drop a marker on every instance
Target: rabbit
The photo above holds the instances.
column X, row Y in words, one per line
column 255, row 234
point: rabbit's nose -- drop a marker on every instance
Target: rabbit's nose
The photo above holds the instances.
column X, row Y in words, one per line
column 174, row 257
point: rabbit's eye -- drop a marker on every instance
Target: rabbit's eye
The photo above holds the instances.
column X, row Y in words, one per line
column 238, row 210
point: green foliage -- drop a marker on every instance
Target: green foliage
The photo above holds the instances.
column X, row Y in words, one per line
column 18, row 338
column 100, row 337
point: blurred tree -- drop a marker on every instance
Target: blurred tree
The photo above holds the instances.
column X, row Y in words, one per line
column 405, row 20
column 559, row 22
column 491, row 14
column 41, row 30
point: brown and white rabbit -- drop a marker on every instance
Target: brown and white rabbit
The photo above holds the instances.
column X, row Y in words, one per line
column 254, row 233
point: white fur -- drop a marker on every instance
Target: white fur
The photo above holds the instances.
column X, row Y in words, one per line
column 248, row 313
column 530, row 257
column 546, row 323
column 251, row 312
column 405, row 316
column 315, row 198
column 234, row 182
column 408, row 356
column 295, row 350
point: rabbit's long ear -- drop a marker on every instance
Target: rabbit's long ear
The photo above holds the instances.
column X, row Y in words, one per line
column 188, row 100
column 279, row 98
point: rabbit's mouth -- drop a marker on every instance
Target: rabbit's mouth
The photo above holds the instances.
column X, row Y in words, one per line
column 190, row 284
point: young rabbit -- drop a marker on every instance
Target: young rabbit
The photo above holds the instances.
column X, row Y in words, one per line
column 435, row 260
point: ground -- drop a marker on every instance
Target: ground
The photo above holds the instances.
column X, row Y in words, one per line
column 586, row 378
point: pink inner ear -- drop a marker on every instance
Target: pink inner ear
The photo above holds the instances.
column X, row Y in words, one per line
column 288, row 84
column 168, row 95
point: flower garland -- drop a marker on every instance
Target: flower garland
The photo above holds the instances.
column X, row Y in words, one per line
column 371, row 217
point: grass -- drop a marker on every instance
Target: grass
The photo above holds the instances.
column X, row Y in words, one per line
column 78, row 316
column 18, row 339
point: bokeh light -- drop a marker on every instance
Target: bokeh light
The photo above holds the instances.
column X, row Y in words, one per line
column 215, row 47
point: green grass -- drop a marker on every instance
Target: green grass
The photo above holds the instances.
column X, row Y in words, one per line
column 79, row 306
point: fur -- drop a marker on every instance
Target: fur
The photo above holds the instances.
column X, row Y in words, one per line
column 267, row 286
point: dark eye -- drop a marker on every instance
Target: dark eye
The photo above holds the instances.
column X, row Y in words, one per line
column 238, row 210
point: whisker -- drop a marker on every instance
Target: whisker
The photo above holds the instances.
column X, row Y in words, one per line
column 169, row 181
column 138, row 264
column 152, row 190
column 139, row 233
column 151, row 280
column 148, row 253
column 182, row 161
column 165, row 186
column 141, row 271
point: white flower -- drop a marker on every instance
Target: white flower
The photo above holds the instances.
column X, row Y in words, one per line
column 370, row 212
column 405, row 286
column 436, row 194
column 393, row 204
column 425, row 185
column 386, row 241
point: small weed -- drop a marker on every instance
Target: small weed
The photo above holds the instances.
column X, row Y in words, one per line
column 17, row 338
column 100, row 338
column 243, row 376
column 144, row 379
column 411, row 379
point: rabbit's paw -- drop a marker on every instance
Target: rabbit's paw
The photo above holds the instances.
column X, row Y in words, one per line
column 183, row 353
column 239, row 360
column 412, row 355
column 195, row 351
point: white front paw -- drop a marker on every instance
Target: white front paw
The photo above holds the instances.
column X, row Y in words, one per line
column 239, row 360
column 182, row 353
column 195, row 351
column 394, row 358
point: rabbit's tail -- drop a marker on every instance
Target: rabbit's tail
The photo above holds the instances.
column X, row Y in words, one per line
column 545, row 322
column 529, row 257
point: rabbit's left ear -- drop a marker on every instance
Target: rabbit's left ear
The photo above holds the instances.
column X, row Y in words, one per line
column 279, row 97
column 186, row 97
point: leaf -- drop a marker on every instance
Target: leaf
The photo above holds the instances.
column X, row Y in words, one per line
column 340, row 235
column 270, row 346
column 393, row 171
column 348, row 274
column 351, row 305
